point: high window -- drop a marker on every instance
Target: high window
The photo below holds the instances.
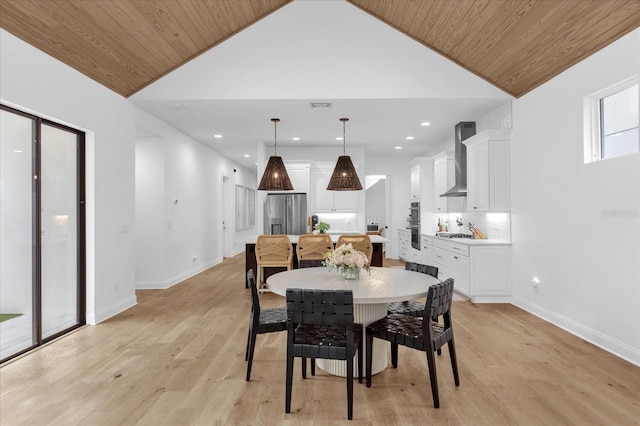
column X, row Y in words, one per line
column 611, row 122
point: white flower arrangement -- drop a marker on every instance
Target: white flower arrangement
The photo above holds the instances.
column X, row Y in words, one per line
column 344, row 257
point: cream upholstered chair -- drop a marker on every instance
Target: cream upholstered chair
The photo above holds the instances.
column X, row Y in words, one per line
column 273, row 250
column 311, row 249
column 359, row 242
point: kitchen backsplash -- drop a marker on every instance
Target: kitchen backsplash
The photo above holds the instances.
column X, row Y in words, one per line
column 497, row 226
column 340, row 222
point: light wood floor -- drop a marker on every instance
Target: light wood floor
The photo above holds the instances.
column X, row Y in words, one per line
column 177, row 358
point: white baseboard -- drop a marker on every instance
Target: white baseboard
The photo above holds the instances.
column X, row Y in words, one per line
column 112, row 310
column 238, row 251
column 616, row 347
column 491, row 299
column 163, row 285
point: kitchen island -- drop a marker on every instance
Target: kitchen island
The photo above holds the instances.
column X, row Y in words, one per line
column 250, row 255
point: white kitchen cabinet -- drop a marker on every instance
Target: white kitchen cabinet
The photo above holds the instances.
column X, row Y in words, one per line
column 426, row 251
column 299, row 176
column 452, row 260
column 330, row 201
column 488, row 170
column 443, row 180
column 480, row 272
column 459, row 271
column 489, row 270
column 404, row 244
column 415, row 182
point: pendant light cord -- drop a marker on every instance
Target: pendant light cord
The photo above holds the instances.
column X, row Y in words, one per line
column 344, row 135
column 275, row 135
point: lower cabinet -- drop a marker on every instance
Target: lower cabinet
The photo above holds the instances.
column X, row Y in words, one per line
column 404, row 244
column 480, row 272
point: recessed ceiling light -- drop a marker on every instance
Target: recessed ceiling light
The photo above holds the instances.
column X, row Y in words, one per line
column 409, row 138
column 398, row 147
column 247, row 156
column 217, row 136
column 426, row 123
column 339, row 138
column 295, row 139
column 320, row 104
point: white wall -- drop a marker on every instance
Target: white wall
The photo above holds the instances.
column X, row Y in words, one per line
column 587, row 261
column 34, row 82
column 179, row 209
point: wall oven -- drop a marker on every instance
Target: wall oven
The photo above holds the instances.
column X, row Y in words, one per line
column 414, row 223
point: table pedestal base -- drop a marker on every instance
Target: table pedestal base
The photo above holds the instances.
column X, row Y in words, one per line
column 363, row 314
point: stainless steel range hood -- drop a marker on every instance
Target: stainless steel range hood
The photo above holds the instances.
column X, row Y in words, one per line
column 463, row 130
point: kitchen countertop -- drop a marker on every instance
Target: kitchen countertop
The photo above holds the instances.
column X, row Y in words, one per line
column 472, row 241
column 334, row 237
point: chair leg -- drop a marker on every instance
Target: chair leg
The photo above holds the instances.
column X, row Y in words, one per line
column 454, row 362
column 252, row 347
column 433, row 377
column 287, row 408
column 246, row 352
column 360, row 361
column 313, row 366
column 304, row 368
column 394, row 355
column 369, row 339
column 350, row 388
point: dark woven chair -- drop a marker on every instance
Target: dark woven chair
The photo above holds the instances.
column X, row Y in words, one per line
column 413, row 308
column 419, row 333
column 262, row 321
column 320, row 326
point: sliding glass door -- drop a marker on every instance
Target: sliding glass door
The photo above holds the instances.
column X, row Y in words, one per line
column 42, row 283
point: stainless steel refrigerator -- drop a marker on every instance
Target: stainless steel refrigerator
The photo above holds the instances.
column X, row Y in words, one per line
column 285, row 214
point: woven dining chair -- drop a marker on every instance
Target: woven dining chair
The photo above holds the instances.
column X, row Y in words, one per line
column 320, row 326
column 263, row 321
column 271, row 251
column 419, row 333
column 413, row 308
column 311, row 249
column 360, row 242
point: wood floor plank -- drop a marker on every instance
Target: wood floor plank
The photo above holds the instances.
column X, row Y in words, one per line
column 178, row 358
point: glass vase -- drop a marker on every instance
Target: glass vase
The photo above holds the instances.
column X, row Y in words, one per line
column 351, row 272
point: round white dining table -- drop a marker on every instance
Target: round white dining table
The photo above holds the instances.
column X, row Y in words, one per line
column 371, row 293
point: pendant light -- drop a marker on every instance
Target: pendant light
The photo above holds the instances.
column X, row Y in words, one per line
column 275, row 177
column 344, row 177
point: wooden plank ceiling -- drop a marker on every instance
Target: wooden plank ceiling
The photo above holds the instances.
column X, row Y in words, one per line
column 126, row 45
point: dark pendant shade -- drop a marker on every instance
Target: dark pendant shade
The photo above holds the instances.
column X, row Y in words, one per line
column 275, row 177
column 344, row 177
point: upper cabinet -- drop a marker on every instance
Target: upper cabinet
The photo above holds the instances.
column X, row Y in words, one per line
column 421, row 175
column 299, row 176
column 443, row 179
column 415, row 182
column 488, row 171
column 330, row 201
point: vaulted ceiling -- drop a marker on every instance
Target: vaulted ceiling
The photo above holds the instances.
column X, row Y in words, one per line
column 516, row 45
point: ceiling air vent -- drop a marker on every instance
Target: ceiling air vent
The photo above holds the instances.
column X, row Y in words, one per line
column 317, row 105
